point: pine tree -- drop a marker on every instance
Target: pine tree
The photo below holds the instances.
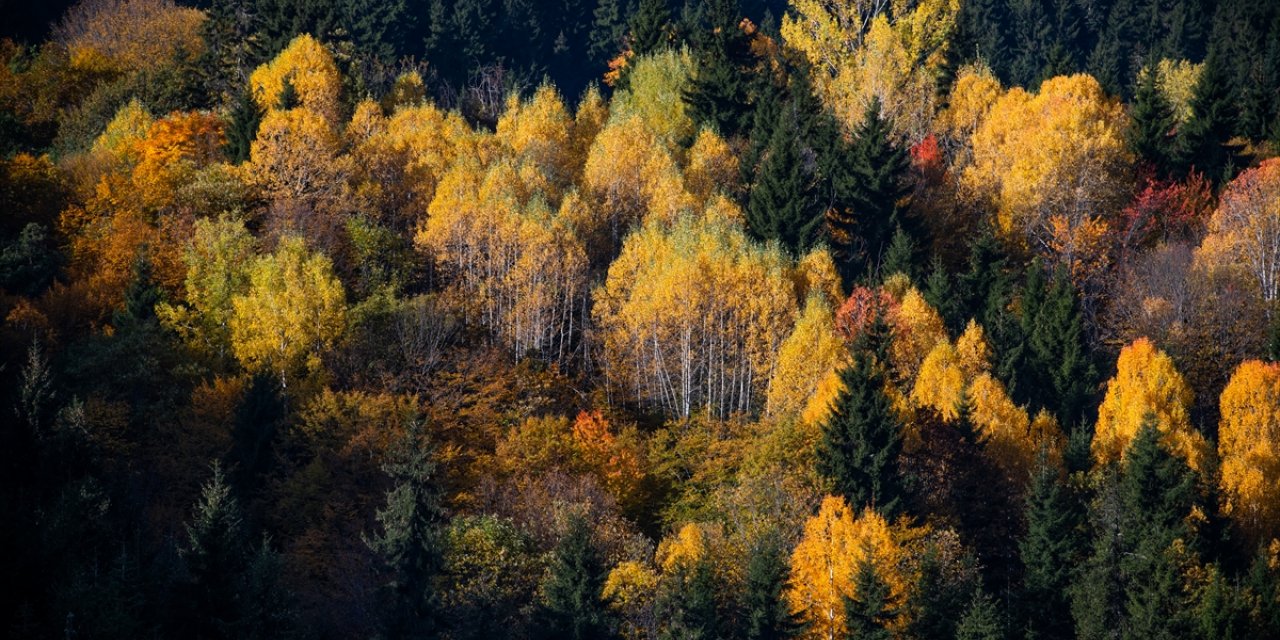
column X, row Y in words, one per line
column 215, row 554
column 869, row 614
column 941, row 295
column 717, row 95
column 689, row 604
column 572, row 607
column 861, row 437
column 242, row 129
column 981, row 621
column 607, row 31
column 869, row 183
column 409, row 543
column 1048, row 552
column 1151, row 120
column 1205, row 140
column 899, row 257
column 258, row 418
column 765, row 612
column 650, row 26
column 783, row 204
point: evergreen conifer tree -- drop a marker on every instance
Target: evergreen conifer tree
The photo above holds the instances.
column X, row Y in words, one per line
column 766, row 615
column 981, row 621
column 572, row 608
column 783, row 205
column 1151, row 120
column 242, row 129
column 1048, row 552
column 869, row 614
column 861, row 437
column 869, row 184
column 718, row 96
column 650, row 26
column 409, row 541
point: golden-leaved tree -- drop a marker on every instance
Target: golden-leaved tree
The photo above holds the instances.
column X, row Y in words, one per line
column 1247, row 225
column 304, row 72
column 218, row 261
column 858, row 54
column 1249, row 448
column 691, row 316
column 824, row 565
column 1055, row 165
column 293, row 311
column 1146, row 386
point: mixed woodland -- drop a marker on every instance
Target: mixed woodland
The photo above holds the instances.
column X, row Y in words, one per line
column 731, row 319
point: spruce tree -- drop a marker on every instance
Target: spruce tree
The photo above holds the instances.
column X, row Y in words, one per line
column 607, row 31
column 869, row 614
column 688, row 605
column 869, row 183
column 215, row 554
column 861, row 437
column 766, row 614
column 242, row 129
column 258, row 419
column 1048, row 552
column 572, row 608
column 981, row 621
column 783, row 204
column 943, row 590
column 1205, row 141
column 409, row 541
column 717, row 96
column 942, row 296
column 899, row 257
column 1057, row 372
column 1151, row 121
column 650, row 26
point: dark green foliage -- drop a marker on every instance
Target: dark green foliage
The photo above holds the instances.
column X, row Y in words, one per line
column 861, row 437
column 1206, row 137
column 29, row 263
column 572, row 607
column 940, row 595
column 408, row 543
column 1131, row 581
column 766, row 615
column 1151, row 125
column 981, row 620
column 258, row 420
column 942, row 296
column 870, row 184
column 784, row 204
column 242, row 126
column 650, row 27
column 900, row 256
column 607, row 31
column 718, row 96
column 233, row 47
column 687, row 606
column 1049, row 552
column 233, row 588
column 869, row 615
column 1055, row 371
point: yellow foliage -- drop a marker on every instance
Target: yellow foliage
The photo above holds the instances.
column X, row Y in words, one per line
column 1246, row 226
column 125, row 131
column 858, row 54
column 806, row 357
column 1249, row 448
column 130, row 35
column 654, row 96
column 628, row 173
column 297, row 157
column 217, row 261
column 1055, row 165
column 538, row 133
column 293, row 311
column 976, row 88
column 941, row 381
column 824, row 565
column 689, row 546
column 1177, row 80
column 309, row 67
column 691, row 316
column 1146, row 384
column 712, row 168
column 972, row 351
column 629, row 583
column 917, row 329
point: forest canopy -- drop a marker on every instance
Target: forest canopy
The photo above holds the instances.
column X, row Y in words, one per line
column 722, row 319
